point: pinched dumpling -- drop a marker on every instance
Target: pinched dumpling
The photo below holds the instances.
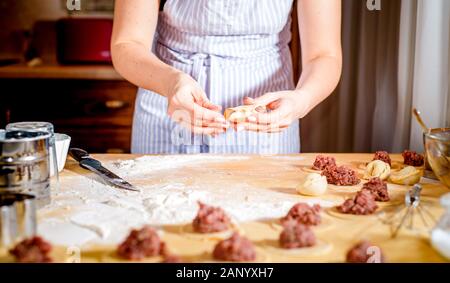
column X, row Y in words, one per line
column 377, row 169
column 242, row 113
column 407, row 176
column 313, row 184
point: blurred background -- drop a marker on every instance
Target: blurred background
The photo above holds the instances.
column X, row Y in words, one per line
column 55, row 66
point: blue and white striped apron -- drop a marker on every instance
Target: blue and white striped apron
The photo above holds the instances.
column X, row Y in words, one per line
column 233, row 49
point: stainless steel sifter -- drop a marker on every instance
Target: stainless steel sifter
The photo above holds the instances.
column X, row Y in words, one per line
column 17, row 217
column 24, row 164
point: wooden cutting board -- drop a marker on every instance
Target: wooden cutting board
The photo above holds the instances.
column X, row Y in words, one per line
column 280, row 175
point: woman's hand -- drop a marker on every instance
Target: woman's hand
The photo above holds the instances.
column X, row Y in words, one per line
column 189, row 106
column 283, row 108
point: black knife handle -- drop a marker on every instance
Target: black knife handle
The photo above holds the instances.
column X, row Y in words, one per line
column 78, row 154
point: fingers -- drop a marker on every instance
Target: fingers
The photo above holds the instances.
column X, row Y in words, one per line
column 201, row 113
column 201, row 99
column 197, row 115
column 264, row 100
column 211, row 106
column 249, row 101
column 202, row 130
column 280, row 110
column 270, row 128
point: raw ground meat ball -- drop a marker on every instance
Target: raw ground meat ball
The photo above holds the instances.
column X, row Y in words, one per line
column 361, row 253
column 362, row 204
column 304, row 214
column 340, row 176
column 140, row 244
column 33, row 250
column 296, row 235
column 383, row 156
column 378, row 188
column 235, row 248
column 323, row 161
column 210, row 219
column 412, row 158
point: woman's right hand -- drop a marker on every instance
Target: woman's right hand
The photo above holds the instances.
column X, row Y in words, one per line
column 189, row 106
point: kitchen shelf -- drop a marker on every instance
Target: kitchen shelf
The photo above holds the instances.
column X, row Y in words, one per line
column 83, row 72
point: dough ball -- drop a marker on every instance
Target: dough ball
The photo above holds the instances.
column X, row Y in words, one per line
column 407, row 176
column 377, row 169
column 313, row 184
column 242, row 113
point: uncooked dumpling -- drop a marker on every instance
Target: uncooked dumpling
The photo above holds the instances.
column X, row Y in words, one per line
column 407, row 176
column 313, row 184
column 377, row 168
column 241, row 113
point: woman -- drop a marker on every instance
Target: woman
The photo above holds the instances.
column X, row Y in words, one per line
column 199, row 57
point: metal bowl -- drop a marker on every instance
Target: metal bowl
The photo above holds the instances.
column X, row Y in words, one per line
column 437, row 150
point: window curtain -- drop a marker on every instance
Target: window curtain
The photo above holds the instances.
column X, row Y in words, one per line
column 429, row 82
column 360, row 115
column 394, row 58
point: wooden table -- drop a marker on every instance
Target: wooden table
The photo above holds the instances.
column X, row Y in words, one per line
column 277, row 177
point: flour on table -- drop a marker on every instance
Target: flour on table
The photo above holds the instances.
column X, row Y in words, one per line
column 86, row 210
column 60, row 232
column 149, row 164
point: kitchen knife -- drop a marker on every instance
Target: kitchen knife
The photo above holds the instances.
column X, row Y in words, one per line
column 89, row 163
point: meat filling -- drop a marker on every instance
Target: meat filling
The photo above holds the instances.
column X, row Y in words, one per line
column 383, row 156
column 378, row 188
column 323, row 161
column 210, row 219
column 33, row 250
column 365, row 252
column 362, row 204
column 140, row 244
column 304, row 214
column 236, row 248
column 340, row 176
column 296, row 235
column 412, row 158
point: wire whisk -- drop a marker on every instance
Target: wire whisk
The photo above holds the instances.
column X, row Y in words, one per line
column 405, row 216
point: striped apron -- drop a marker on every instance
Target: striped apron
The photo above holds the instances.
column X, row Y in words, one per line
column 233, row 49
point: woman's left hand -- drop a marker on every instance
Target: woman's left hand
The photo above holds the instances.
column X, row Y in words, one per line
column 283, row 108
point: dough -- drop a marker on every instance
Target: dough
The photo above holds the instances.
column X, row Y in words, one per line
column 241, row 113
column 313, row 184
column 407, row 176
column 320, row 248
column 377, row 169
column 188, row 232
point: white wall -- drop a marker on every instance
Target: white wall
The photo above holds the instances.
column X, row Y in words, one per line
column 431, row 67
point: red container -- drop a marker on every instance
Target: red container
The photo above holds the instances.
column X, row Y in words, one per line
column 84, row 40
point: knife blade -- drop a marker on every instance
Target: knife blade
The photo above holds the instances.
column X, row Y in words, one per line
column 89, row 163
